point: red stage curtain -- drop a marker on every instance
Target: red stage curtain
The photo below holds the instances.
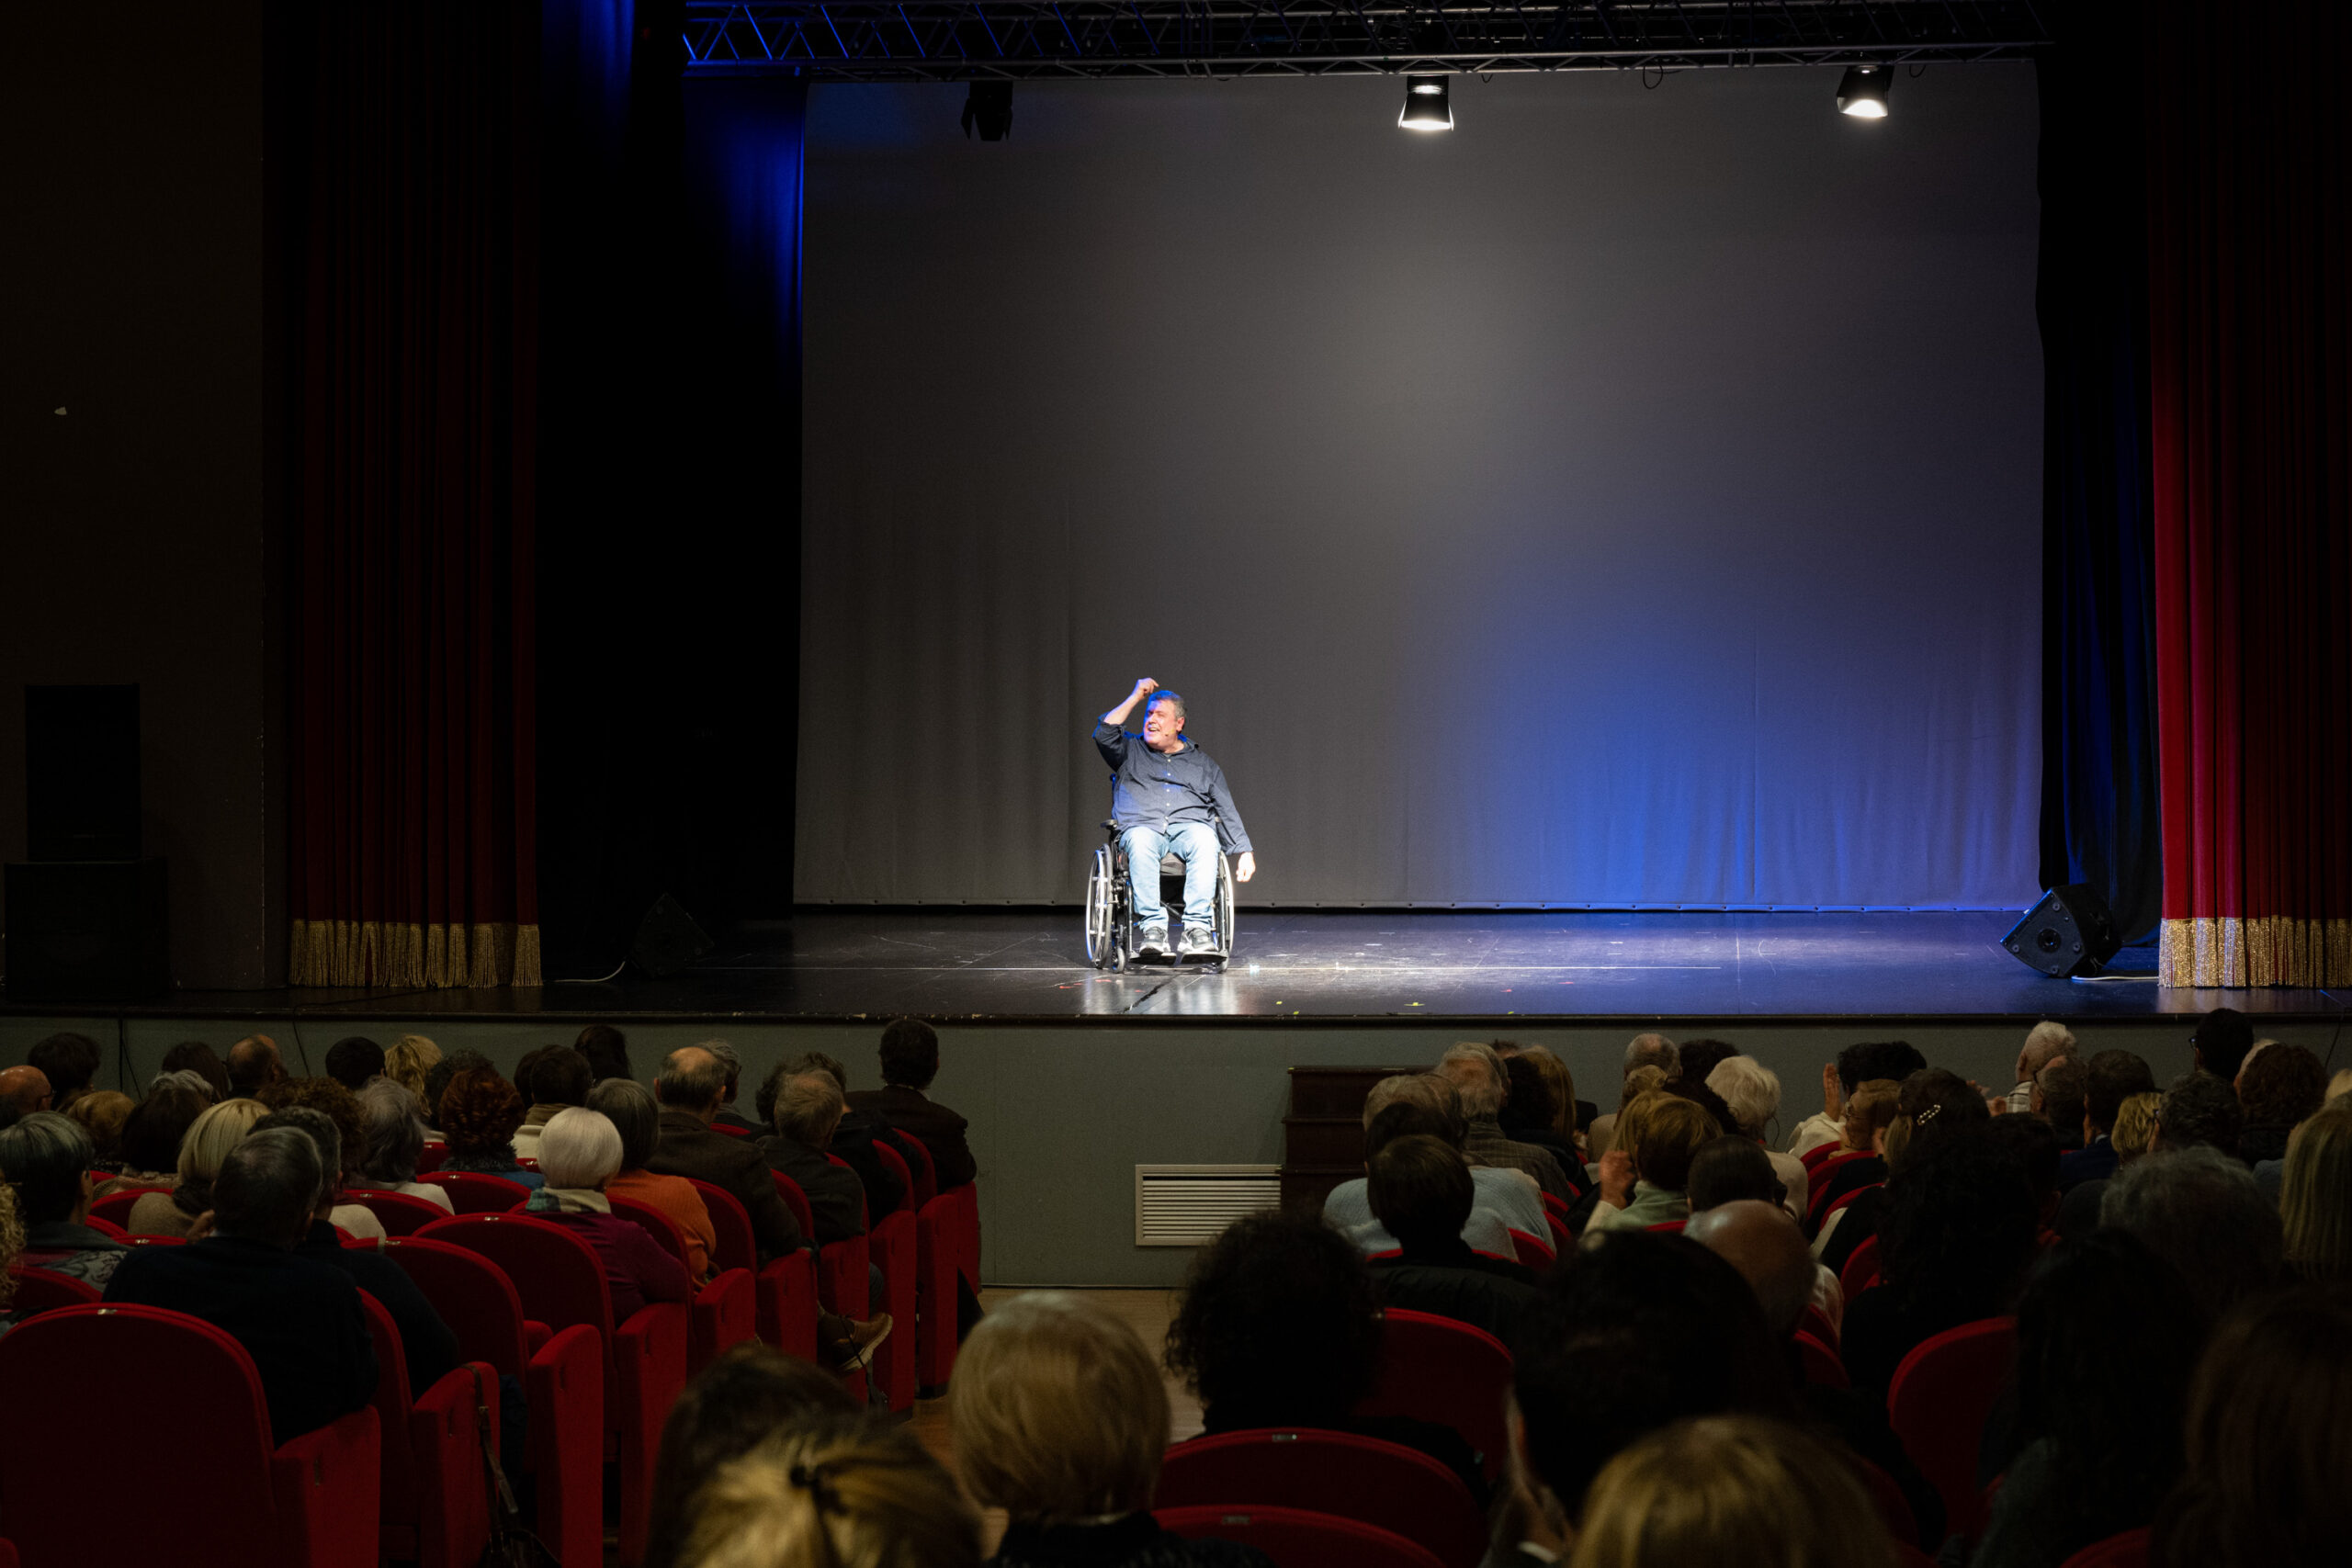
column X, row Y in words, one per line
column 2250, row 339
column 411, row 790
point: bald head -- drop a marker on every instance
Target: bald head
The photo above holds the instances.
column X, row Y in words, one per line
column 24, row 1090
column 1653, row 1051
column 1477, row 1075
column 1760, row 1241
column 691, row 1079
column 253, row 1066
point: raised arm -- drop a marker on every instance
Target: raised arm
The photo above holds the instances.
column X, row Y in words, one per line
column 1118, row 715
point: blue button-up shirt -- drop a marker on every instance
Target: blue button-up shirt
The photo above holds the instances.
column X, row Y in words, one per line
column 1157, row 789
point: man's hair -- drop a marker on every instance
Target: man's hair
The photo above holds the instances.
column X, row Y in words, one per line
column 1281, row 1308
column 1725, row 1170
column 2199, row 1211
column 253, row 1063
column 22, row 1090
column 317, row 1126
column 691, row 1078
column 2200, row 1108
column 2222, row 1038
column 730, row 1061
column 353, row 1060
column 337, row 1103
column 607, row 1049
column 1478, row 1074
column 1664, row 1142
column 1695, row 1059
column 2044, row 1044
column 1420, row 1189
column 1163, row 695
column 1756, row 1237
column 1058, row 1413
column 1750, row 1090
column 394, row 1121
column 1530, row 1107
column 729, row 1410
column 2110, row 1078
column 268, row 1188
column 1711, row 1489
column 1632, row 1335
column 68, row 1061
column 909, row 1053
column 196, row 1057
column 2280, row 1087
column 629, row 1106
column 526, row 1072
column 793, row 1067
column 1654, row 1051
column 807, row 1107
column 1895, row 1059
column 1435, row 1095
column 2066, row 1086
column 560, row 1078
column 1410, row 1119
column 44, row 1155
column 580, row 1148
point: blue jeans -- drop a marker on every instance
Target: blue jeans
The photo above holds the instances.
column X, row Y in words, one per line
column 1194, row 843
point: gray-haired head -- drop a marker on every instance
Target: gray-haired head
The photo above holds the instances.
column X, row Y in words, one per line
column 394, row 1118
column 808, row 1106
column 2200, row 1209
column 1165, row 695
column 1654, row 1051
column 730, row 1061
column 44, row 1155
column 628, row 1105
column 1478, row 1074
column 319, row 1127
column 1428, row 1090
column 268, row 1188
column 2044, row 1044
column 187, row 1079
column 692, row 1078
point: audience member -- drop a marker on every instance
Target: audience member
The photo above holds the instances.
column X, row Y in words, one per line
column 729, row 1113
column 2199, row 1110
column 1730, row 1171
column 630, row 1107
column 2108, row 1079
column 1643, row 1178
column 1931, row 1105
column 1421, row 1193
column 2340, row 1085
column 47, row 1158
column 2045, row 1043
column 2315, row 1197
column 1528, row 1115
column 739, row 1402
column 857, row 1137
column 23, row 1091
column 1423, row 1102
column 2198, row 1210
column 411, row 1057
column 688, row 1093
column 2135, row 1126
column 1653, row 1052
column 426, row 1344
column 1870, row 1109
column 2267, row 1446
column 393, row 1122
column 2108, row 1334
column 11, row 1251
column 1729, row 1489
column 1478, row 1075
column 196, row 1057
column 101, row 1113
column 1059, row 1418
column 1751, row 1093
column 1647, row 1079
column 2220, row 1044
column 807, row 1108
column 580, row 1152
column 69, row 1062
column 203, row 1151
column 2060, row 1096
column 338, row 1104
column 298, row 1317
column 1278, row 1326
column 151, row 1136
column 1854, row 1066
column 607, row 1049
column 478, row 1114
column 1956, row 1237
column 2276, row 1089
column 910, row 1055
column 438, row 1077
column 353, row 1060
column 2034, row 1143
column 1569, row 1114
column 253, row 1066
column 1696, row 1060
column 521, row 1077
column 849, row 1493
column 559, row 1081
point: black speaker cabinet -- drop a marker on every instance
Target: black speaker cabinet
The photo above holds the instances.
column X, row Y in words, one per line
column 82, row 772
column 88, row 932
column 668, row 941
column 2070, row 932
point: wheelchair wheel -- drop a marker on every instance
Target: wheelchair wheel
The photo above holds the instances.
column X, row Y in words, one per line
column 1101, row 923
column 1225, row 903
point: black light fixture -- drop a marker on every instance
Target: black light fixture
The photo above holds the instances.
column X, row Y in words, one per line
column 1863, row 92
column 1428, row 105
column 988, row 106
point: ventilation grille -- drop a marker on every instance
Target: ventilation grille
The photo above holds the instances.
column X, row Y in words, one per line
column 1189, row 1205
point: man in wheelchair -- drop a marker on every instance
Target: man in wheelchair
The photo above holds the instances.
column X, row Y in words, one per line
column 1168, row 797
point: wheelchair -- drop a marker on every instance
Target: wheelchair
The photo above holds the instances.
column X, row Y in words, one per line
column 1109, row 910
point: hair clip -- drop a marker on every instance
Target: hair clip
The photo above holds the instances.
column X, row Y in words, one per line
column 1927, row 1115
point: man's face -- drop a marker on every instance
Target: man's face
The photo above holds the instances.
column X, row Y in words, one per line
column 1163, row 728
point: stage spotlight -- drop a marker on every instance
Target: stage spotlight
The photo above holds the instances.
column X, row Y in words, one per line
column 1862, row 93
column 1428, row 105
column 989, row 106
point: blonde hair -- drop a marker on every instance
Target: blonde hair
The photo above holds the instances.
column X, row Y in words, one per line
column 1560, row 1082
column 211, row 1135
column 1665, row 1138
column 2340, row 1085
column 580, row 1148
column 1873, row 1105
column 2315, row 1198
column 849, row 1494
column 2135, row 1125
column 411, row 1057
column 1730, row 1488
column 102, row 1114
column 12, row 1241
column 1059, row 1412
column 1639, row 1082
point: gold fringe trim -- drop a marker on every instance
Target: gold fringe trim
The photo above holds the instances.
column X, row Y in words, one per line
column 2213, row 952
column 391, row 954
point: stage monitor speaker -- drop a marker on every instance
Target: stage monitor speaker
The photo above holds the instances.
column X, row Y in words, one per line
column 82, row 772
column 88, row 932
column 668, row 941
column 2070, row 932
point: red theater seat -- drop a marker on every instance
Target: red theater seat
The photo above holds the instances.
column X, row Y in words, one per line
column 784, row 1290
column 136, row 1378
column 399, row 1212
column 1382, row 1485
column 474, row 1194
column 1295, row 1538
column 726, row 1311
column 39, row 1291
column 841, row 1286
column 1938, row 1405
column 114, row 1208
column 2129, row 1550
column 917, row 1160
column 1862, row 1268
column 893, row 1242
column 436, row 1498
column 1822, row 1367
column 1434, row 1369
column 1534, row 1254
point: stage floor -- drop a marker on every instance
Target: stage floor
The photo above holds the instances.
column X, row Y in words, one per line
column 1029, row 966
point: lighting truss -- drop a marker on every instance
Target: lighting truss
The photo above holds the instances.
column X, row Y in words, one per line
column 875, row 41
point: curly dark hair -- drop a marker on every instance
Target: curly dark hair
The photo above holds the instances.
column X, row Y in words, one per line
column 1960, row 1227
column 2199, row 1108
column 1933, row 1104
column 1695, row 1059
column 438, row 1077
column 480, row 1112
column 1279, row 1315
column 2281, row 1086
column 338, row 1104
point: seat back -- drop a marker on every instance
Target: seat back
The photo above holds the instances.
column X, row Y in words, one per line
column 1383, row 1484
column 1295, row 1537
column 919, row 1161
column 730, row 1224
column 798, row 1202
column 473, row 1296
column 556, row 1274
column 896, row 1164
column 471, row 1192
column 1842, row 1201
column 397, row 1213
column 1667, row 1226
column 1816, row 1323
column 724, row 1131
column 660, row 1227
column 392, row 1408
column 1862, row 1268
column 1822, row 1367
column 429, row 1158
column 38, row 1291
column 144, row 1379
column 1534, row 1254
column 155, row 1241
column 2129, row 1550
column 1937, row 1404
column 107, row 1228
column 1435, row 1368
column 115, row 1207
column 1893, row 1508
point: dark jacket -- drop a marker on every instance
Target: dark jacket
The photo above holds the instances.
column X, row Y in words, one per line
column 836, row 1198
column 854, row 1139
column 431, row 1350
column 940, row 1129
column 1158, row 789
column 1850, row 1176
column 2095, row 1161
column 298, row 1317
column 638, row 1269
column 689, row 1149
column 1135, row 1541
column 1455, row 1282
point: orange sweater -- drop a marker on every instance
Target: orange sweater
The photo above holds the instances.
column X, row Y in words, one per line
column 676, row 1197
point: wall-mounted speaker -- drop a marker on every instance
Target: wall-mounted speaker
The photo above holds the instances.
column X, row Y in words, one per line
column 2071, row 932
column 88, row 932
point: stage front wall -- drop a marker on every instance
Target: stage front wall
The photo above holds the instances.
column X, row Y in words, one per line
column 1631, row 498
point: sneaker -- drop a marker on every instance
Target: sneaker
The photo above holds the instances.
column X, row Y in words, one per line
column 1151, row 942
column 1196, row 942
column 850, row 1351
